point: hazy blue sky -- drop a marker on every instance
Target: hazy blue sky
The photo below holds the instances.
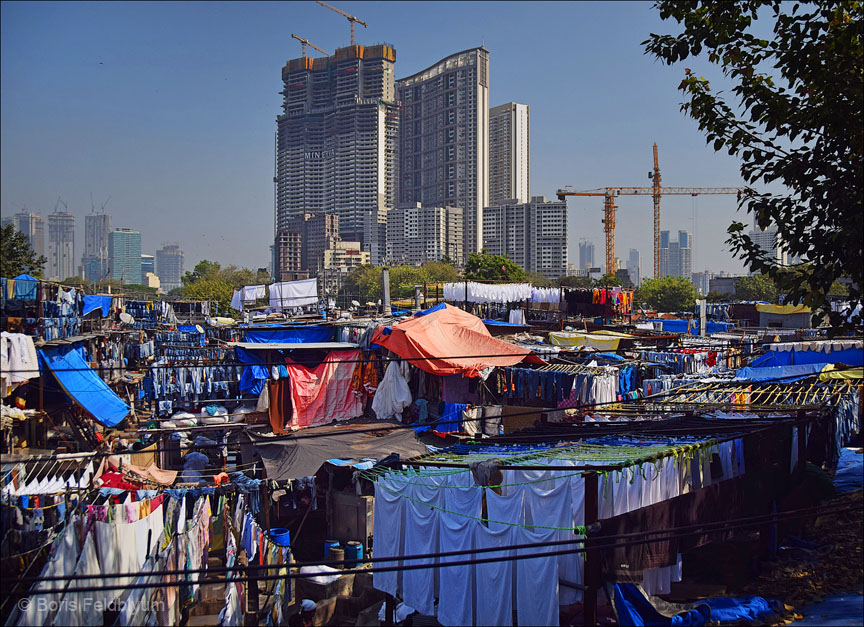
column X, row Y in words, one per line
column 169, row 109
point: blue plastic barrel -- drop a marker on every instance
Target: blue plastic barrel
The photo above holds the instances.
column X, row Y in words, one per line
column 327, row 546
column 353, row 553
column 280, row 536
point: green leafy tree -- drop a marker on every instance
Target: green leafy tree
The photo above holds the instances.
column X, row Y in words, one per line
column 607, row 280
column 486, row 267
column 669, row 294
column 17, row 256
column 575, row 281
column 79, row 283
column 441, row 271
column 538, row 280
column 794, row 118
column 210, row 281
column 717, row 297
column 139, row 288
column 756, row 287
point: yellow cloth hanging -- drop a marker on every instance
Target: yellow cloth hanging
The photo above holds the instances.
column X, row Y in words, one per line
column 782, row 309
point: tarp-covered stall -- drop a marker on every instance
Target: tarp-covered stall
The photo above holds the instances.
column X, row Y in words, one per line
column 301, row 456
column 445, row 340
column 83, row 384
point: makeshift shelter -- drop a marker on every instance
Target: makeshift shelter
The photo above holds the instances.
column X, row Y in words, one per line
column 83, row 385
column 784, row 316
column 849, row 352
column 445, row 340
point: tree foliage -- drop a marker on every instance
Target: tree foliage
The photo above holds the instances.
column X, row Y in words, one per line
column 717, row 297
column 669, row 294
column 364, row 282
column 16, row 255
column 485, row 267
column 794, row 118
column 608, row 280
column 575, row 281
column 756, row 287
column 210, row 281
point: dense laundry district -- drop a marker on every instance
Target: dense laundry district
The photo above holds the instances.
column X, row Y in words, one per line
column 500, row 455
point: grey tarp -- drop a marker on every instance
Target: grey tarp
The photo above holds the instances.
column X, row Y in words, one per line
column 303, row 454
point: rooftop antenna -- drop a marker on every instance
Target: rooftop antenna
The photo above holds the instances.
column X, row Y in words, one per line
column 347, row 16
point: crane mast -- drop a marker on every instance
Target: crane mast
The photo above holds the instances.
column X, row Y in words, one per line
column 304, row 42
column 655, row 191
column 347, row 16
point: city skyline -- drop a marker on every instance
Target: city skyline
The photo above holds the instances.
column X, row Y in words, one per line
column 207, row 173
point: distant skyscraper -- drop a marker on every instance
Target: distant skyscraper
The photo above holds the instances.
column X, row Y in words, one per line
column 418, row 234
column 443, row 150
column 97, row 227
column 508, row 153
column 124, row 255
column 702, row 282
column 676, row 257
column 335, row 142
column 61, row 245
column 148, row 264
column 533, row 235
column 586, row 254
column 634, row 266
column 33, row 227
column 769, row 242
column 169, row 266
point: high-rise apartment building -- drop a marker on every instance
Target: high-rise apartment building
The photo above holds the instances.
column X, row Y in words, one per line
column 586, row 254
column 443, row 151
column 769, row 242
column 32, row 226
column 335, row 142
column 533, row 234
column 702, row 282
column 94, row 261
column 418, row 234
column 124, row 255
column 634, row 266
column 676, row 256
column 509, row 143
column 169, row 266
column 61, row 245
column 301, row 244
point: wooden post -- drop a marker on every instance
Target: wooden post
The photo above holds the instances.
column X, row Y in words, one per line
column 592, row 556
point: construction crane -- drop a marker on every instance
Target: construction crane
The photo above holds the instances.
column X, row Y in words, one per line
column 347, row 16
column 656, row 191
column 304, row 42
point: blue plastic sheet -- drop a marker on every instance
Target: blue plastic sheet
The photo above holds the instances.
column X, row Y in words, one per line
column 255, row 374
column 850, row 471
column 84, row 385
column 786, row 374
column 679, row 325
column 504, row 323
column 850, row 357
column 733, row 609
column 25, row 287
column 633, row 608
column 437, row 307
column 92, row 303
column 297, row 335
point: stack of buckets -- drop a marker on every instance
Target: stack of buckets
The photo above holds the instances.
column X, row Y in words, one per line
column 350, row 551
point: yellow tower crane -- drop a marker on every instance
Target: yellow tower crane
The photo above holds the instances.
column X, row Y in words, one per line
column 656, row 191
column 306, row 42
column 347, row 16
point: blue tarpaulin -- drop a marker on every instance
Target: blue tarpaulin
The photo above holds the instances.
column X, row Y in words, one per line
column 850, row 471
column 438, row 307
column 25, row 287
column 633, row 607
column 83, row 384
column 786, row 374
column 92, row 303
column 679, row 325
column 504, row 323
column 612, row 356
column 295, row 335
column 850, row 357
column 255, row 374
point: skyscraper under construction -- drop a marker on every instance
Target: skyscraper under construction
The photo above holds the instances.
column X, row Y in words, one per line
column 335, row 142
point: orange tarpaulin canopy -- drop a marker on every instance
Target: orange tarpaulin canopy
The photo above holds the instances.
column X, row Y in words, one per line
column 447, row 340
